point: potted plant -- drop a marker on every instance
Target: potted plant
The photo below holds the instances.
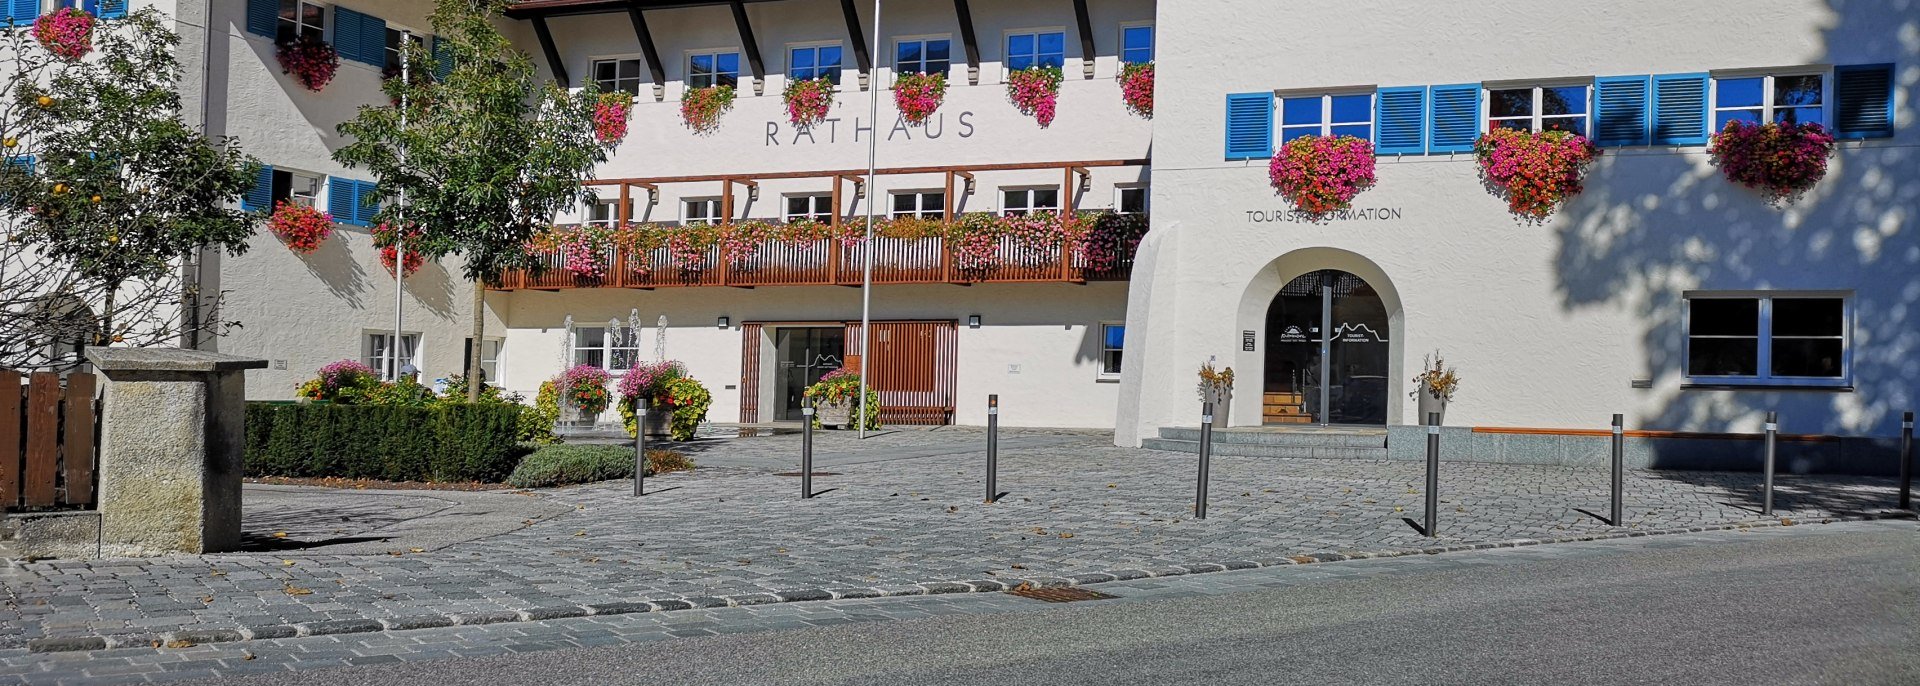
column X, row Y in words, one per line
column 700, row 108
column 1035, row 91
column 1535, row 172
column 836, row 397
column 1216, row 386
column 1434, row 387
column 807, row 101
column 610, row 115
column 302, row 228
column 310, row 61
column 66, row 32
column 918, row 95
column 1136, row 88
column 1320, row 175
column 344, row 382
column 690, row 401
column 1780, row 159
column 583, row 392
column 650, row 380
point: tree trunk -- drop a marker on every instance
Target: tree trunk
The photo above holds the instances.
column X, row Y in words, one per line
column 105, row 335
column 474, row 345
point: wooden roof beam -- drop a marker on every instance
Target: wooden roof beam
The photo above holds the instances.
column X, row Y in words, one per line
column 858, row 39
column 1086, row 37
column 645, row 35
column 968, row 39
column 748, row 45
column 554, row 64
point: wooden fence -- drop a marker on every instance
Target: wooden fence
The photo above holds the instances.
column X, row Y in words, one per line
column 47, row 441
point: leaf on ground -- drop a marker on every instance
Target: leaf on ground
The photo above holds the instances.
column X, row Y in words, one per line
column 416, row 550
column 1017, row 565
column 395, row 553
column 286, row 563
column 246, row 655
column 581, row 532
column 1064, row 534
column 206, row 600
column 296, row 590
column 1113, row 485
column 279, row 534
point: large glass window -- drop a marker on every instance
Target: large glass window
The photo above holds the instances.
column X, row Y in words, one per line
column 617, row 75
column 1019, row 201
column 814, row 61
column 614, row 350
column 923, row 204
column 1136, row 44
column 1036, row 49
column 713, row 69
column 301, row 19
column 1796, row 98
column 816, row 206
column 1539, row 108
column 700, row 211
column 922, row 56
column 1326, row 115
column 1769, row 339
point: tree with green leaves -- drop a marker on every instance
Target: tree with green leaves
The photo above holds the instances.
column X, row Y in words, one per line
column 107, row 192
column 487, row 155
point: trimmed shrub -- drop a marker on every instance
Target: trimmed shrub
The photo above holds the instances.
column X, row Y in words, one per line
column 452, row 442
column 561, row 465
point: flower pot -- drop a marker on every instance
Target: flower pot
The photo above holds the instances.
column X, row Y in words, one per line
column 838, row 413
column 657, row 421
column 1431, row 404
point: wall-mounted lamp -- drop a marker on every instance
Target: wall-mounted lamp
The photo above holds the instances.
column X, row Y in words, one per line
column 973, row 321
column 725, row 322
column 753, row 190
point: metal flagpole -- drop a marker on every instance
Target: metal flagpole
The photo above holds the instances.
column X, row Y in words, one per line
column 400, row 223
column 866, row 270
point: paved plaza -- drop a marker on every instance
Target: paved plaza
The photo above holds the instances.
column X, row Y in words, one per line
column 901, row 514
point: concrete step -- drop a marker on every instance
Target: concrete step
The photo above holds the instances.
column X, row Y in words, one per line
column 1263, row 450
column 1311, row 438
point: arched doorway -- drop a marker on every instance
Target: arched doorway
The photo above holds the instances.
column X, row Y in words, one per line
column 1327, row 352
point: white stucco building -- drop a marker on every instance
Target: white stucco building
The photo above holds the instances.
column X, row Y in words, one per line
column 1663, row 291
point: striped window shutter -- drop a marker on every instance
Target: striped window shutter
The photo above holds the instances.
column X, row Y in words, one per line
column 342, row 197
column 263, row 17
column 111, row 9
column 1864, row 93
column 1620, row 110
column 259, row 198
column 442, row 59
column 22, row 12
column 1455, row 118
column 1249, row 126
column 1680, row 109
column 1401, row 120
column 365, row 203
column 24, row 162
column 360, row 37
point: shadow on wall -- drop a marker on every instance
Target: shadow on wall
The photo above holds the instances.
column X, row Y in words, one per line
column 334, row 265
column 1652, row 226
column 433, row 287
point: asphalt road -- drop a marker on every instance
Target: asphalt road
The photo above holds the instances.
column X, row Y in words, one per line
column 1840, row 608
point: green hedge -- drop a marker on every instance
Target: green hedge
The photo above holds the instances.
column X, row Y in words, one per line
column 393, row 443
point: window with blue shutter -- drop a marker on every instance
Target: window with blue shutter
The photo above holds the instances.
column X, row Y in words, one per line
column 351, row 201
column 1400, row 122
column 1680, row 109
column 259, row 198
column 1863, row 94
column 263, row 17
column 360, row 37
column 1249, row 126
column 442, row 58
column 22, row 12
column 1620, row 110
column 1454, row 121
column 366, row 205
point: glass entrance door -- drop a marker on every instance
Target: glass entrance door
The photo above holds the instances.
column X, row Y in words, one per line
column 1327, row 352
column 806, row 353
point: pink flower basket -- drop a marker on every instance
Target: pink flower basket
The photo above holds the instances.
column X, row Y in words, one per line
column 918, row 95
column 1781, row 160
column 807, row 101
column 1535, row 172
column 1320, row 175
column 302, row 228
column 1136, row 88
column 1036, row 92
column 610, row 117
column 67, row 33
column 311, row 62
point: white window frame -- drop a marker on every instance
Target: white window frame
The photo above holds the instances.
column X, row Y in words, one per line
column 1029, row 208
column 813, row 207
column 606, row 349
column 1153, row 44
column 300, row 26
column 1767, row 105
column 378, row 361
column 489, row 366
column 1006, row 49
column 393, row 55
column 1101, row 359
column 1535, row 120
column 714, row 209
column 1763, row 366
column 640, row 75
column 1326, row 96
column 922, row 39
column 815, row 46
column 315, row 182
column 589, row 206
column 715, row 53
column 1119, row 191
column 938, row 211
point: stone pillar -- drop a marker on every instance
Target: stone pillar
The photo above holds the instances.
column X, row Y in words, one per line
column 172, row 435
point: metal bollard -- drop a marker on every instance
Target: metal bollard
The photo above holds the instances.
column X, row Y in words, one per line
column 806, row 449
column 1906, row 462
column 1433, row 474
column 1206, row 460
column 993, row 447
column 1619, row 466
column 640, row 447
column 1773, row 428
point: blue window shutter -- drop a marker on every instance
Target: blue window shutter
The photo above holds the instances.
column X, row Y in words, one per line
column 1401, row 121
column 365, row 204
column 360, row 37
column 263, row 17
column 1864, row 93
column 1680, row 109
column 25, row 162
column 1454, row 118
column 259, row 198
column 112, row 9
column 1620, row 110
column 342, row 198
column 1249, row 126
column 22, row 12
column 442, row 59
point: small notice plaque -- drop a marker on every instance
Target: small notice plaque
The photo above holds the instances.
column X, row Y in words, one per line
column 1246, row 341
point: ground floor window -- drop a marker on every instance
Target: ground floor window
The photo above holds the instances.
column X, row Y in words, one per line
column 378, row 352
column 1768, row 338
column 613, row 349
column 1019, row 201
column 489, row 359
column 922, row 204
column 1111, row 336
column 815, row 207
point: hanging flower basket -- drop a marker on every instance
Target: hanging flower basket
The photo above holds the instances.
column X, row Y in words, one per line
column 1036, row 92
column 701, row 108
column 67, row 32
column 610, row 117
column 807, row 101
column 388, row 239
column 302, row 228
column 1535, row 172
column 917, row 96
column 1320, row 175
column 1136, row 88
column 310, row 61
column 1781, row 160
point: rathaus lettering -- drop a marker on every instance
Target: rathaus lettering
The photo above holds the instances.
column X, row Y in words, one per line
column 828, row 130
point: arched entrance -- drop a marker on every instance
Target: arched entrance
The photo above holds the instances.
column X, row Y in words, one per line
column 1327, row 353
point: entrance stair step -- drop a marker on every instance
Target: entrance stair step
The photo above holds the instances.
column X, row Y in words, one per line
column 1264, row 450
column 1304, row 437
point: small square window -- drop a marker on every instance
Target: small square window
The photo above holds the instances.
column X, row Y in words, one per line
column 301, row 19
column 1769, row 340
column 1019, row 201
column 1789, row 98
column 395, row 35
column 617, row 75
column 1036, row 49
column 1326, row 115
column 700, row 211
column 705, row 70
column 1130, row 200
column 813, row 62
column 1539, row 108
column 1136, row 44
column 925, row 205
column 813, row 207
column 922, row 56
column 379, row 354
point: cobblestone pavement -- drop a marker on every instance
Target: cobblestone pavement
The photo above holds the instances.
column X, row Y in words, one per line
column 903, row 510
column 217, row 661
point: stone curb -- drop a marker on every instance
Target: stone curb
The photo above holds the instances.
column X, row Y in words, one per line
column 216, row 634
